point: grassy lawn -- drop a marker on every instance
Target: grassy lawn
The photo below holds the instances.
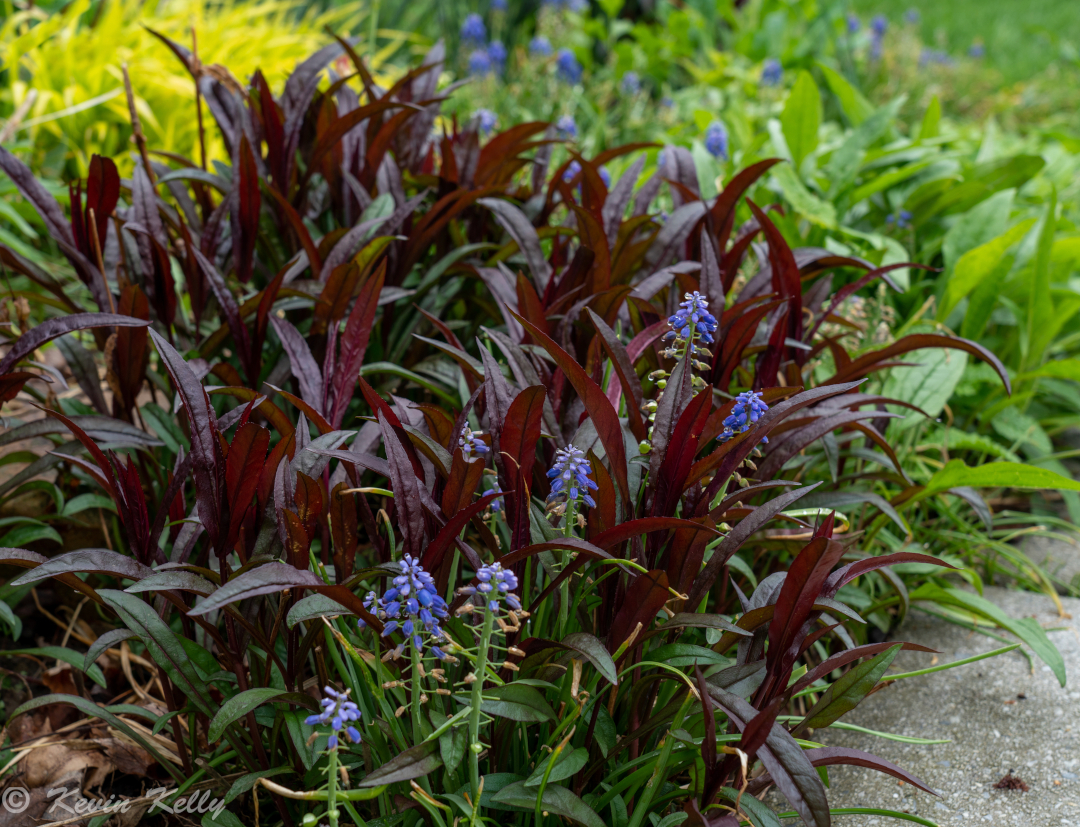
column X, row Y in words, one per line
column 1021, row 36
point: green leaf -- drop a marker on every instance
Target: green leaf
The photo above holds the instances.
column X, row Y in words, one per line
column 804, row 202
column 1027, row 629
column 557, row 800
column 414, row 762
column 518, row 703
column 69, row 656
column 221, row 818
column 313, row 607
column 84, row 502
column 164, row 426
column 12, row 620
column 595, row 652
column 24, row 535
column 928, row 384
column 801, row 118
column 238, row 706
column 967, row 441
column 856, row 107
column 881, row 183
column 606, row 733
column 245, row 782
column 847, row 693
column 163, row 645
column 1058, row 369
column 452, row 743
column 998, row 475
column 106, row 641
column 977, row 265
column 979, row 225
column 686, row 654
column 931, row 122
column 1040, row 327
column 569, row 764
column 760, row 815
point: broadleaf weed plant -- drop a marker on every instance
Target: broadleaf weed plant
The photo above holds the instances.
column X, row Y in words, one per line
column 355, row 315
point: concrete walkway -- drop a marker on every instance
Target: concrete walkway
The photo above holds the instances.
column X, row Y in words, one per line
column 999, row 715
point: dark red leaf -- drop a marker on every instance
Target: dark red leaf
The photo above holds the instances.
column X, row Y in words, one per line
column 801, row 590
column 625, row 378
column 243, row 467
column 403, row 480
column 737, row 536
column 58, row 326
column 605, row 418
column 517, row 442
column 354, row 343
column 646, row 596
column 102, row 194
column 205, row 447
column 869, row 362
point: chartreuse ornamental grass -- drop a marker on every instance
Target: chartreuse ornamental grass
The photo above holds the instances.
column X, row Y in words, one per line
column 415, row 366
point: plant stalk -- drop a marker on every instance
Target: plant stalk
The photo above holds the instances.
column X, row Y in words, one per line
column 475, row 746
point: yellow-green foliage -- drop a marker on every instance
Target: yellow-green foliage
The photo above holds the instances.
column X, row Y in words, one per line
column 75, row 56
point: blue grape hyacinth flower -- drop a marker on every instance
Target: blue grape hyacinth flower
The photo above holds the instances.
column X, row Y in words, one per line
column 479, row 62
column 498, row 5
column 567, row 127
column 497, row 504
column 567, row 64
column 853, row 23
column 497, row 52
column 496, row 584
column 749, row 406
column 772, row 72
column 694, row 309
column 912, row 16
column 631, row 83
column 469, row 441
column 486, row 120
column 977, row 50
column 573, row 170
column 901, row 218
column 716, row 140
column 605, row 176
column 411, row 604
column 879, row 25
column 540, row 46
column 473, row 29
column 339, row 712
column 569, row 477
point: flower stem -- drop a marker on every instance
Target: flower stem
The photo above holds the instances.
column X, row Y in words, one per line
column 641, row 808
column 475, row 747
column 331, row 789
column 564, row 588
column 414, row 701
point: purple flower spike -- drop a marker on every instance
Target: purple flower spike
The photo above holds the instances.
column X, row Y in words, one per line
column 473, row 29
column 338, row 711
column 413, row 590
column 570, row 477
column 716, row 140
column 567, row 64
column 496, row 584
column 749, row 406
